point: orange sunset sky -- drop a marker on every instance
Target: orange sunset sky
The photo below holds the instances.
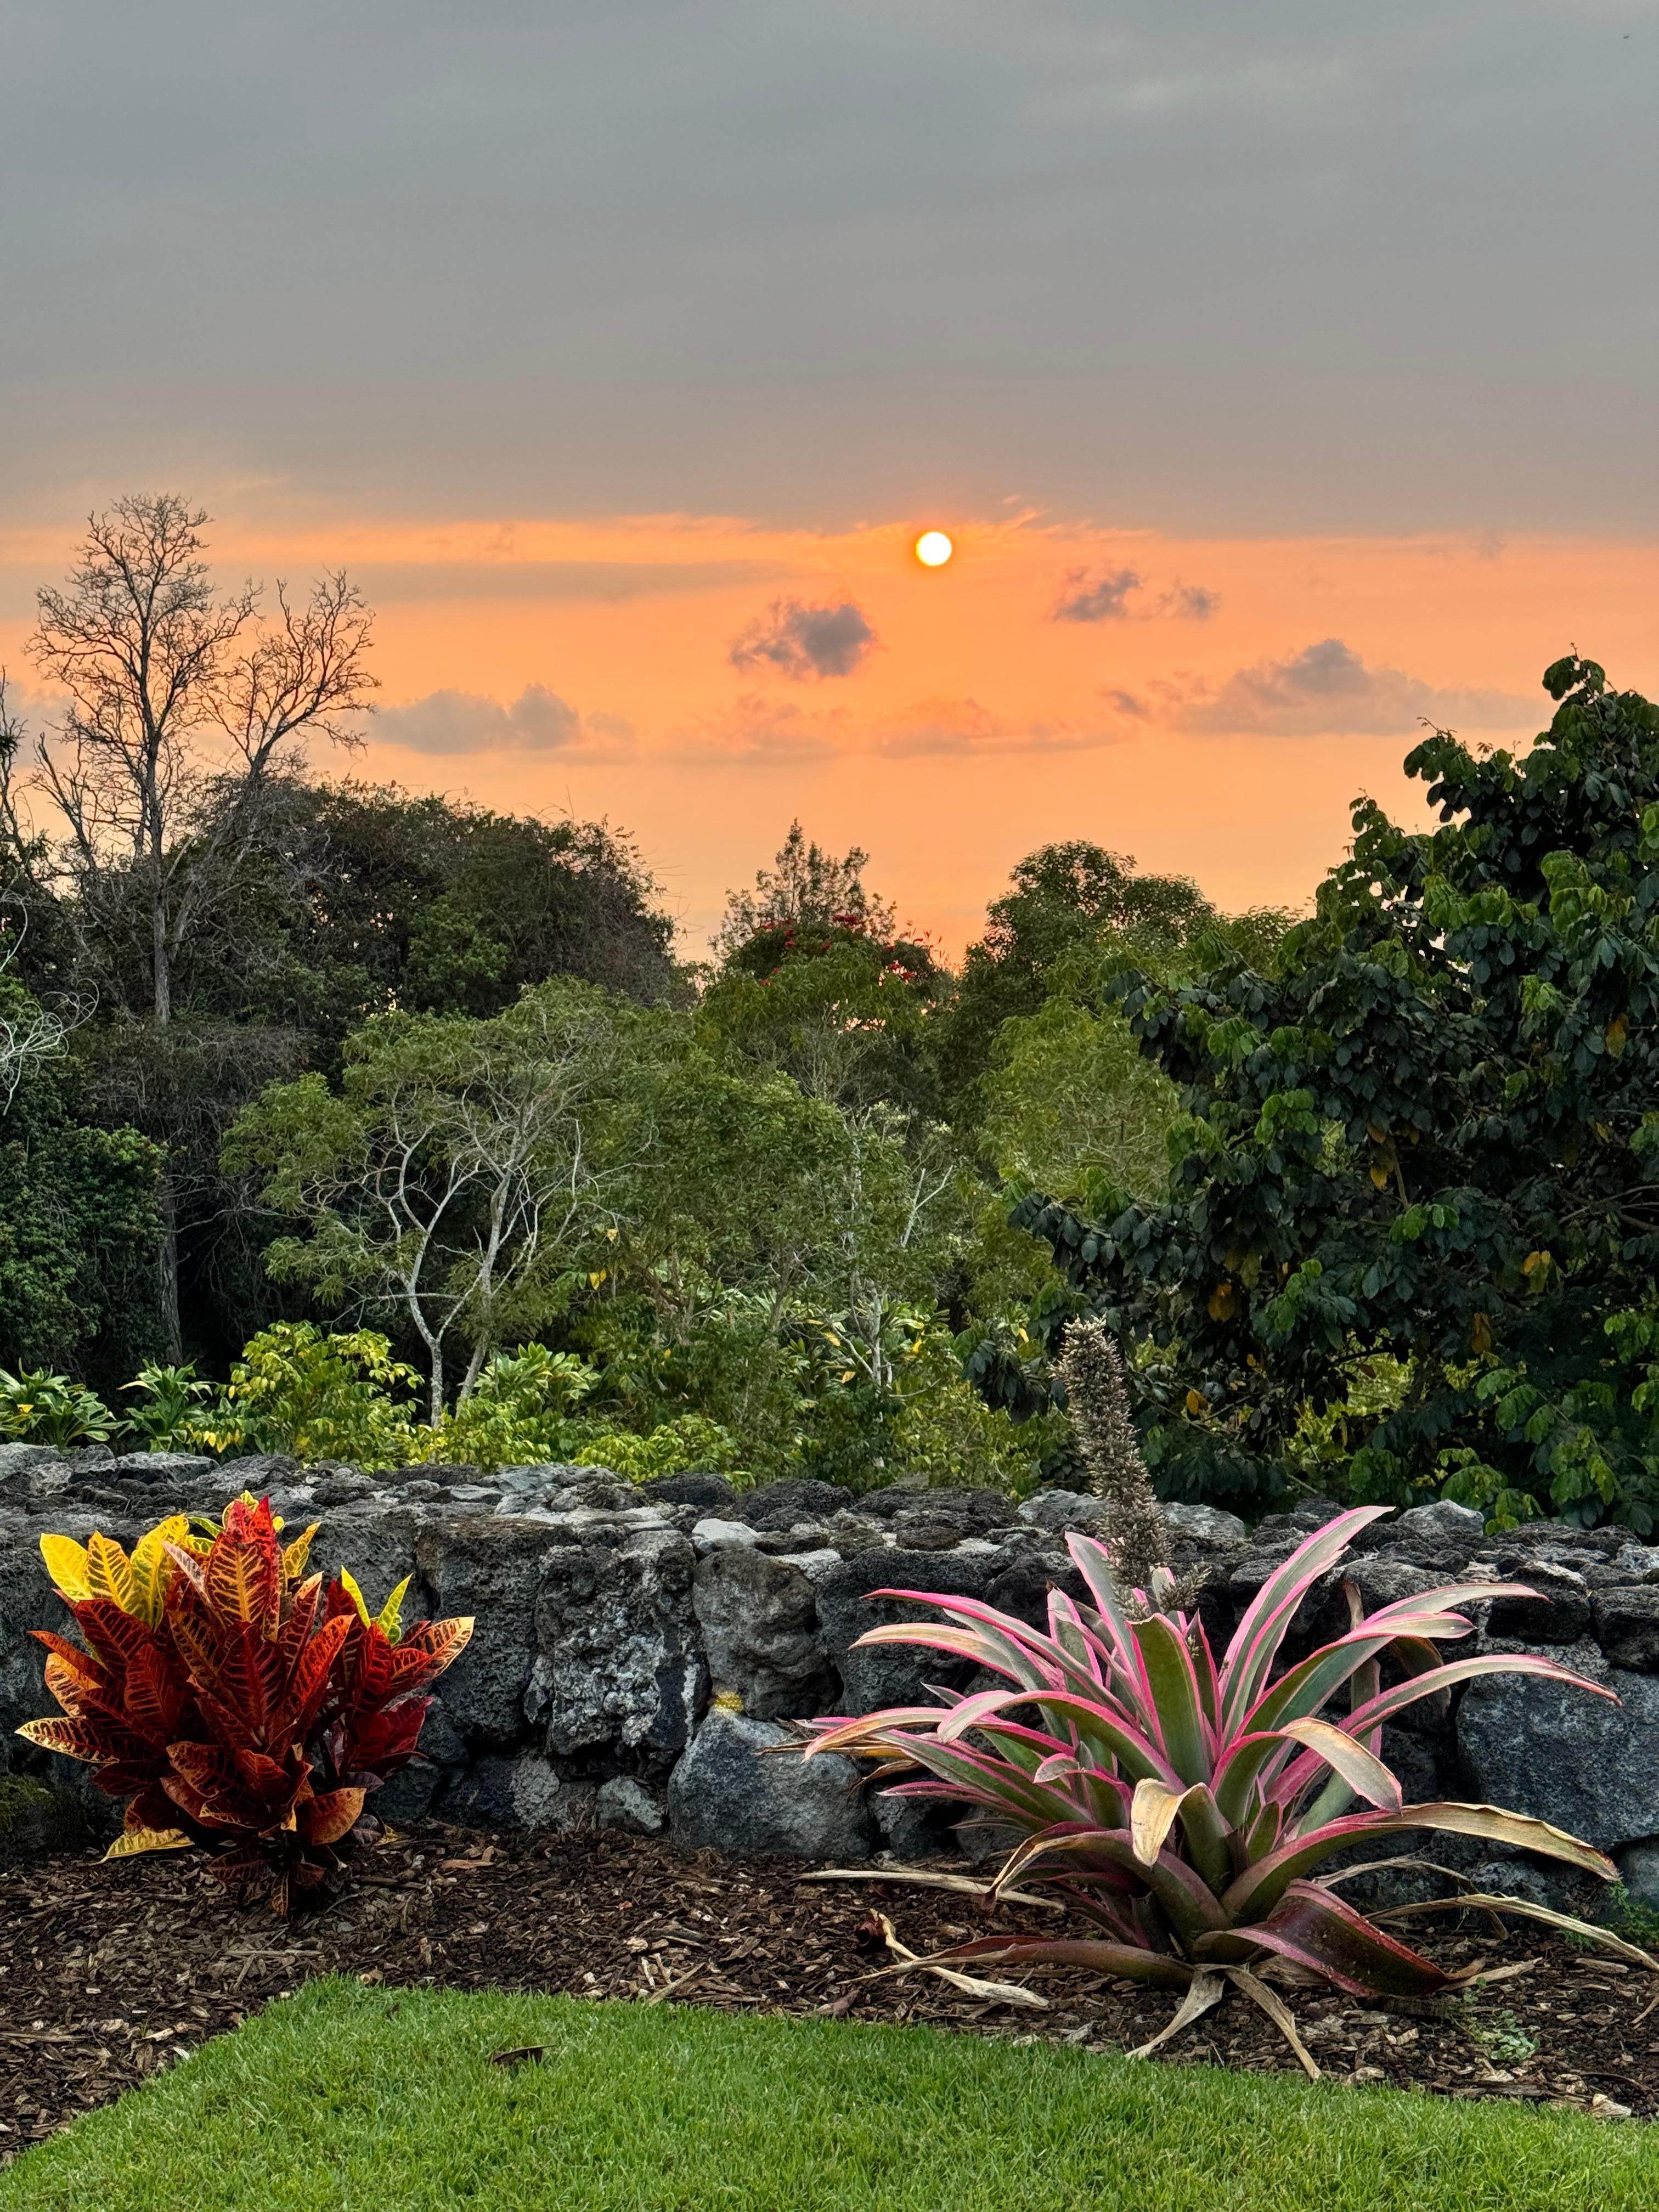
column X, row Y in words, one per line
column 621, row 352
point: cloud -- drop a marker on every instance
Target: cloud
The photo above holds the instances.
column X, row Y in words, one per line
column 1188, row 603
column 805, row 643
column 400, row 583
column 1327, row 689
column 1088, row 595
column 537, row 722
column 781, row 733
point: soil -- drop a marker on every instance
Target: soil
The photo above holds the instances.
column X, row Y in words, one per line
column 110, row 1972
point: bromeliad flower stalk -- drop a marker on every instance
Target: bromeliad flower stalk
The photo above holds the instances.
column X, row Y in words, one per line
column 1182, row 1806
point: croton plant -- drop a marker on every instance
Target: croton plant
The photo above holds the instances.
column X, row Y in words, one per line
column 235, row 1702
column 1181, row 1804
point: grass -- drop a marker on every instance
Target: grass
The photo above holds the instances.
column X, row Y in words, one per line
column 343, row 2099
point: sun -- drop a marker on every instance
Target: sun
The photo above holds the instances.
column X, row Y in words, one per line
column 933, row 549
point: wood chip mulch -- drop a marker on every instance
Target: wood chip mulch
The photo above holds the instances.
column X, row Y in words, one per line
column 109, row 1973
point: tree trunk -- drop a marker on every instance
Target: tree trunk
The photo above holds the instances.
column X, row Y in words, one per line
column 167, row 1267
column 167, row 1253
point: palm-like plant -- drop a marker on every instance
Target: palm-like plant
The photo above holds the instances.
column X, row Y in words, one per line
column 1181, row 1805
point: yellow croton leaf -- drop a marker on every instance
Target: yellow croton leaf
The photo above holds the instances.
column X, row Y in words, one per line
column 390, row 1620
column 349, row 1584
column 150, row 1564
column 295, row 1554
column 109, row 1572
column 136, row 1840
column 66, row 1563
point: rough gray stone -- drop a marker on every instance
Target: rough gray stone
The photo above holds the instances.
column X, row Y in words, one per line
column 914, row 1827
column 502, row 1791
column 710, row 1493
column 1204, row 1524
column 35, row 1819
column 894, row 1674
column 1639, row 1869
column 618, row 1661
column 623, row 1802
column 1558, row 1613
column 759, row 1619
column 475, row 1564
column 162, row 1466
column 1627, row 1627
column 781, row 1504
column 1059, row 1511
column 1443, row 1521
column 1555, row 1750
column 712, row 1534
column 732, row 1793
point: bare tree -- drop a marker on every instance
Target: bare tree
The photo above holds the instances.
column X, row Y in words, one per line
column 185, row 712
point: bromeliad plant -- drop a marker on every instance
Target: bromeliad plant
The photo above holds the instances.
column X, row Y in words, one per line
column 236, row 1702
column 1182, row 1805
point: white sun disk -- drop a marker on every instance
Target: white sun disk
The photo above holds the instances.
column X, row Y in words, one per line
column 933, row 549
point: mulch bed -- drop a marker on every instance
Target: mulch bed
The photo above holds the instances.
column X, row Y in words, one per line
column 108, row 1973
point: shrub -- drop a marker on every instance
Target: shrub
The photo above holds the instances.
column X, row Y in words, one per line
column 518, row 1413
column 317, row 1396
column 178, row 1410
column 39, row 1408
column 1181, row 1805
column 233, row 1701
column 673, row 1448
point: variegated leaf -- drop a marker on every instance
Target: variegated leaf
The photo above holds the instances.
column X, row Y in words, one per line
column 135, row 1841
column 66, row 1563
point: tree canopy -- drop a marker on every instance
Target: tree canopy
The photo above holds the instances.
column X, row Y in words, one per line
column 1432, row 1138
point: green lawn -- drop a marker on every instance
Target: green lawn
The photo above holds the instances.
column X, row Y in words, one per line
column 345, row 2099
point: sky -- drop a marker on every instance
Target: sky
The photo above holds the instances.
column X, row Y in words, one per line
column 1284, row 376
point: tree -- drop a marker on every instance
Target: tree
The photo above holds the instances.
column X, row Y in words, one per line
column 1075, row 915
column 439, row 907
column 460, row 1165
column 184, row 714
column 1432, row 1136
column 77, row 1210
column 808, row 887
column 842, row 1013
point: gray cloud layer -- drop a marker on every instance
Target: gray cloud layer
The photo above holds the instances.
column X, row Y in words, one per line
column 388, row 582
column 1269, row 268
column 1327, row 689
column 805, row 642
column 537, row 721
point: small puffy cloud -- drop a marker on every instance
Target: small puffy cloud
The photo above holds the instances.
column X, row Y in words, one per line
column 537, row 721
column 1094, row 595
column 1327, row 690
column 804, row 642
column 1086, row 597
column 1188, row 603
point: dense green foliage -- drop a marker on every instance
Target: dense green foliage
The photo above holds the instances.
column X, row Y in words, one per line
column 354, row 2097
column 1416, row 1189
column 77, row 1216
column 1368, row 1201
